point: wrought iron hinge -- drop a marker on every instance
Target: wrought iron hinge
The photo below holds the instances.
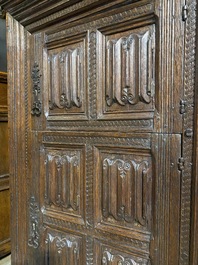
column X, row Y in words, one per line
column 36, row 108
column 182, row 106
column 181, row 163
column 33, row 240
column 184, row 12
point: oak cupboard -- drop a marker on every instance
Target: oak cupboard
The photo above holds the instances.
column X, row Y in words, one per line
column 102, row 109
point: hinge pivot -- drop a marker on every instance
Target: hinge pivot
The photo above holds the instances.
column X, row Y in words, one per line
column 189, row 133
column 181, row 163
column 184, row 13
column 182, row 106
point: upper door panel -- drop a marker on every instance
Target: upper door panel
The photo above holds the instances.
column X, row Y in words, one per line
column 66, row 74
column 126, row 72
column 112, row 72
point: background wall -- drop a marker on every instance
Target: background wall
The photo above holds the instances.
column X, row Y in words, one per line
column 3, row 59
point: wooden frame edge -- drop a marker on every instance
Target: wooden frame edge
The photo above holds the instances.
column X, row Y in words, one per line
column 16, row 56
column 194, row 205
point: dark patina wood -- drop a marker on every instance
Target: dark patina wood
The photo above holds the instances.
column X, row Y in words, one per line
column 101, row 131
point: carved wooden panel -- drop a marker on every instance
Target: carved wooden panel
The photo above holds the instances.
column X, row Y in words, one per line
column 62, row 248
column 64, row 178
column 109, row 255
column 124, row 188
column 127, row 75
column 66, row 66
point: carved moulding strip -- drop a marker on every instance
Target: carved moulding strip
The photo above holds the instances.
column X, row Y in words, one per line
column 89, row 185
column 120, row 141
column 60, row 223
column 141, row 245
column 36, row 108
column 34, row 216
column 189, row 83
column 127, row 14
column 130, row 125
column 89, row 250
column 93, row 75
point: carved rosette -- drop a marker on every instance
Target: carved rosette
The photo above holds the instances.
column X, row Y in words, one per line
column 34, row 213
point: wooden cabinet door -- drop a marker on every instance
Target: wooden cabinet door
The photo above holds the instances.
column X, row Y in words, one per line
column 101, row 109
